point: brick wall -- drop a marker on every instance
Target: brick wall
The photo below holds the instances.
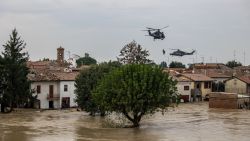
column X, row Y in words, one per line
column 223, row 100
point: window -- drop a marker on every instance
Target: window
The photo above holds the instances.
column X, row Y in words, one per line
column 38, row 89
column 235, row 82
column 65, row 88
column 186, row 88
column 207, row 85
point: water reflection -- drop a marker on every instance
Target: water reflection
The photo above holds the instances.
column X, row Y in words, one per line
column 188, row 122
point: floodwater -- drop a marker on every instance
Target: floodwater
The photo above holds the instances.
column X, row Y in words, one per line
column 187, row 122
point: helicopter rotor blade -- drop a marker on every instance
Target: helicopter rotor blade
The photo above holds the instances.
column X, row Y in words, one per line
column 164, row 27
column 151, row 28
column 173, row 49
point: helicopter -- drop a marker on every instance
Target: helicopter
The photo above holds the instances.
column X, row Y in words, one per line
column 156, row 33
column 181, row 53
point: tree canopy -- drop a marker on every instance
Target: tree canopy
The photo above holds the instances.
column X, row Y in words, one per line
column 87, row 80
column 233, row 63
column 175, row 64
column 163, row 64
column 133, row 53
column 14, row 73
column 86, row 60
column 135, row 90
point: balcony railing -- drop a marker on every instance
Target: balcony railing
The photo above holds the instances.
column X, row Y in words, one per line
column 53, row 97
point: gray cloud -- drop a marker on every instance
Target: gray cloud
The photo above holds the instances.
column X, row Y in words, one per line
column 215, row 28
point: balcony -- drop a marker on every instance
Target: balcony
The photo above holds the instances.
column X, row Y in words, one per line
column 53, row 97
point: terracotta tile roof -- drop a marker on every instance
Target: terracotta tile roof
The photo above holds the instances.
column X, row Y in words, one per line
column 242, row 68
column 210, row 66
column 38, row 64
column 245, row 78
column 181, row 79
column 171, row 72
column 197, row 77
column 48, row 75
column 217, row 75
column 42, row 75
column 66, row 76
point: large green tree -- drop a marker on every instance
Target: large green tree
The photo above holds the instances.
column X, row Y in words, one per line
column 87, row 80
column 133, row 53
column 135, row 90
column 175, row 64
column 233, row 63
column 2, row 80
column 16, row 90
column 86, row 60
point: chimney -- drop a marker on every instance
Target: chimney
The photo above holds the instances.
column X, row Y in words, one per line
column 60, row 56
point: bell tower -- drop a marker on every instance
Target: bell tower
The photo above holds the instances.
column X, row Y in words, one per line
column 60, row 56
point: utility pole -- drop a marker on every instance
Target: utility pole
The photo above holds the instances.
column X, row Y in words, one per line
column 234, row 56
column 202, row 59
column 245, row 59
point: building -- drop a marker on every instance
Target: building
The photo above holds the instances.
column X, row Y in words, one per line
column 184, row 86
column 218, row 77
column 200, row 84
column 240, row 85
column 53, row 82
column 54, row 89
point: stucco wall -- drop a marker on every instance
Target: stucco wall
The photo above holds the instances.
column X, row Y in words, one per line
column 70, row 93
column 44, row 102
column 220, row 79
column 235, row 86
column 180, row 88
column 204, row 90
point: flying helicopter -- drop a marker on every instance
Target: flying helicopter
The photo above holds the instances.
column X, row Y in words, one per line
column 181, row 53
column 156, row 33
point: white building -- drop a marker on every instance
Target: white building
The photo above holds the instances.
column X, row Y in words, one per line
column 54, row 89
column 184, row 86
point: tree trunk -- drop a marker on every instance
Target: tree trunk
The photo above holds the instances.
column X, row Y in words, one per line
column 2, row 108
column 136, row 120
column 102, row 113
column 136, row 123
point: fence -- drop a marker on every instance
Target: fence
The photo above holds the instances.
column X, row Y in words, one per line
column 228, row 100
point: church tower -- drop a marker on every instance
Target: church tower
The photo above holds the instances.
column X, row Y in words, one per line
column 60, row 56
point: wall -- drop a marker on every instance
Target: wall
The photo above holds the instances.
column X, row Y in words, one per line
column 70, row 93
column 220, row 79
column 44, row 102
column 180, row 88
column 205, row 91
column 223, row 100
column 235, row 86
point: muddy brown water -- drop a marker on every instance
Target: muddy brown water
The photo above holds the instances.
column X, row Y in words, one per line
column 188, row 122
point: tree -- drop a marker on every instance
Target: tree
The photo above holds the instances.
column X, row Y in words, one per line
column 163, row 64
column 2, row 81
column 86, row 60
column 45, row 59
column 175, row 64
column 135, row 90
column 133, row 53
column 16, row 85
column 87, row 80
column 233, row 63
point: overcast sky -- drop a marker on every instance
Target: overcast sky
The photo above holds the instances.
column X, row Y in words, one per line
column 215, row 28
